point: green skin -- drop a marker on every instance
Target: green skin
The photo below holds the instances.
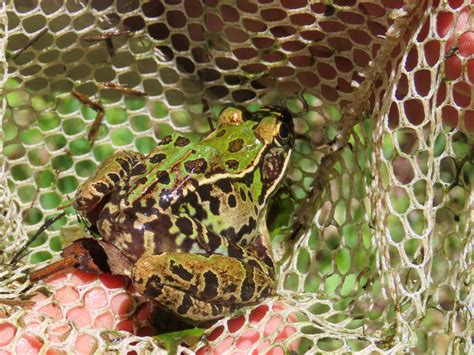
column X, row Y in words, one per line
column 191, row 216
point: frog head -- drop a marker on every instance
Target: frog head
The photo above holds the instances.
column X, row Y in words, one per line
column 258, row 142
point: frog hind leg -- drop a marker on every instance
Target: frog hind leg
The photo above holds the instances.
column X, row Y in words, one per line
column 93, row 193
column 202, row 287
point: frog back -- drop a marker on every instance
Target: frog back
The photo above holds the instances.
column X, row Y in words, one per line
column 177, row 165
column 167, row 172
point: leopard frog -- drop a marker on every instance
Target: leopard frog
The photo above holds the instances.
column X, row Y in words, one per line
column 190, row 217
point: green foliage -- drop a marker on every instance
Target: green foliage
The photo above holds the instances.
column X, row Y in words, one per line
column 171, row 341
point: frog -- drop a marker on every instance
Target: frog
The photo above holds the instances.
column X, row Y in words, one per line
column 187, row 222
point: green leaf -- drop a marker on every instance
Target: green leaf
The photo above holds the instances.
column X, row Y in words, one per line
column 171, row 340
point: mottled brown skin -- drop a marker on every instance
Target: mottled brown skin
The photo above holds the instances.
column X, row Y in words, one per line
column 191, row 216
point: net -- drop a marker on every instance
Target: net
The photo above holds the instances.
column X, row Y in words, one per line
column 382, row 171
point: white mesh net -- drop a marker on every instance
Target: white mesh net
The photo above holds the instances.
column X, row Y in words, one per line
column 382, row 96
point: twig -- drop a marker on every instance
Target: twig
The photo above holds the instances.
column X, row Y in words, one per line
column 97, row 107
column 63, row 207
column 21, row 303
column 107, row 37
column 120, row 88
column 51, row 269
column 46, row 224
column 30, row 43
column 33, row 201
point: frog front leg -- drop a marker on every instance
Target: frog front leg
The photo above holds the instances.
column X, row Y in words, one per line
column 205, row 286
column 92, row 194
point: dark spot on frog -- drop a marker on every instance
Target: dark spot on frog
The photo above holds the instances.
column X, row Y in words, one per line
column 153, row 287
column 163, row 177
column 186, row 245
column 138, row 169
column 181, row 141
column 204, row 192
column 272, row 167
column 250, row 197
column 216, row 309
column 186, row 304
column 114, row 177
column 215, row 170
column 191, row 202
column 231, row 201
column 200, row 238
column 224, row 185
column 248, row 179
column 198, row 166
column 101, row 187
column 157, row 158
column 221, row 133
column 124, row 164
column 265, row 292
column 237, row 236
column 141, row 181
column 213, row 241
column 211, row 285
column 160, row 227
column 262, row 253
column 235, row 145
column 180, row 271
column 165, row 198
column 232, row 164
column 230, row 288
column 166, row 140
column 235, row 251
column 248, row 286
column 184, row 225
column 192, row 288
column 249, row 227
column 263, row 193
column 170, row 279
column 200, row 213
column 255, row 264
column 214, row 205
column 230, row 234
column 147, row 209
column 243, row 196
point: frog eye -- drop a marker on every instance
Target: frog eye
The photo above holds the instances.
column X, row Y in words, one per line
column 283, row 135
